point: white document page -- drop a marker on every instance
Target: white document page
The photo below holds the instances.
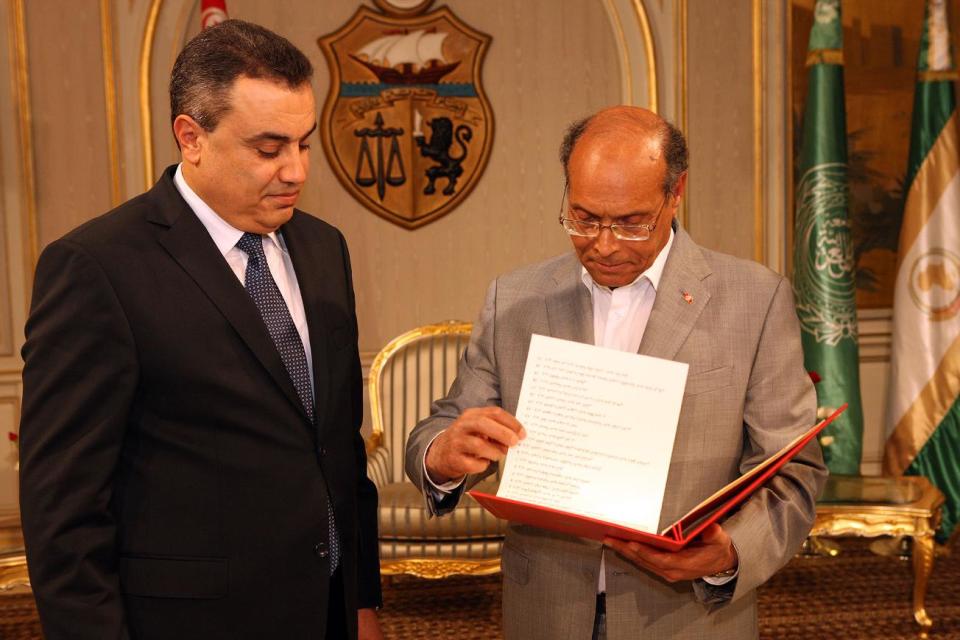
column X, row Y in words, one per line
column 600, row 428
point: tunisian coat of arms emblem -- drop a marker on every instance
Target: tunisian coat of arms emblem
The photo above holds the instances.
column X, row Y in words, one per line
column 406, row 125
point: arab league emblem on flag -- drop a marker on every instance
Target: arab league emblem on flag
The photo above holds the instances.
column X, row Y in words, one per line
column 406, row 125
column 823, row 256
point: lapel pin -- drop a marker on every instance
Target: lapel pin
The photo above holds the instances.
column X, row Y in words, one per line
column 686, row 296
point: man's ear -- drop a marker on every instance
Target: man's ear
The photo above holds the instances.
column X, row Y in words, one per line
column 679, row 189
column 189, row 135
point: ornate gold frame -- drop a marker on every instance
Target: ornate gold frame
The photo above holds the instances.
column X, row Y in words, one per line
column 13, row 573
column 437, row 569
column 432, row 568
column 13, row 559
column 449, row 327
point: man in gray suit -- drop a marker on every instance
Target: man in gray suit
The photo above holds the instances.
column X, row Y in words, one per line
column 636, row 281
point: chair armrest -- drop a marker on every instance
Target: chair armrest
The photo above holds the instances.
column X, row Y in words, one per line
column 378, row 466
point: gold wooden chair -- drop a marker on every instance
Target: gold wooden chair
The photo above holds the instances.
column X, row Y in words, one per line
column 13, row 559
column 409, row 373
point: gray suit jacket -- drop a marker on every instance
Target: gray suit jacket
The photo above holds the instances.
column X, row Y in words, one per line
column 747, row 395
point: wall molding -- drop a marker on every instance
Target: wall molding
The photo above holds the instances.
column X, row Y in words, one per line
column 110, row 100
column 759, row 86
column 19, row 206
column 680, row 91
column 18, row 41
column 635, row 43
column 146, row 110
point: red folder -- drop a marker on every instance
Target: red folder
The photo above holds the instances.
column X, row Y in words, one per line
column 674, row 537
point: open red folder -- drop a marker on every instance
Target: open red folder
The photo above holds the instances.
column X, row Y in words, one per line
column 674, row 537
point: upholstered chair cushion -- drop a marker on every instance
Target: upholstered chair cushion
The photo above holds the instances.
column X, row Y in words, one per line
column 404, row 516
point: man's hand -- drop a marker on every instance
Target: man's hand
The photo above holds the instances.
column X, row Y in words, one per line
column 368, row 625
column 712, row 552
column 475, row 439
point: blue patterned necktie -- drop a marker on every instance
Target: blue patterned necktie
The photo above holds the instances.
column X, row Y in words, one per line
column 276, row 316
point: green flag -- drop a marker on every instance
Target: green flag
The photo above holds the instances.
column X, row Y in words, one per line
column 823, row 254
column 923, row 413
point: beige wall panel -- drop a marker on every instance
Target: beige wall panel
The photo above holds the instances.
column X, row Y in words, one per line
column 16, row 261
column 6, row 303
column 720, row 125
column 777, row 147
column 549, row 62
column 874, row 380
column 69, row 125
column 876, row 326
column 129, row 19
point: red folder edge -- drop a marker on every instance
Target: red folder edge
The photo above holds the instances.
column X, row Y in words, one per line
column 674, row 537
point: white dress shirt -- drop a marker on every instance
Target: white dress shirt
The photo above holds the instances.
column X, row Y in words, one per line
column 226, row 236
column 619, row 319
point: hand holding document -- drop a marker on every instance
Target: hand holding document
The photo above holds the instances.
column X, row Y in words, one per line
column 600, row 429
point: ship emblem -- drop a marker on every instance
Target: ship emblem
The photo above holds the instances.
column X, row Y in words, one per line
column 406, row 125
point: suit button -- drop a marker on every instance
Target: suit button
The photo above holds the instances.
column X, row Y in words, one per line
column 323, row 452
column 320, row 549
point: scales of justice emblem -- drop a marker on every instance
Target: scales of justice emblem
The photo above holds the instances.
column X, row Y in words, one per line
column 406, row 126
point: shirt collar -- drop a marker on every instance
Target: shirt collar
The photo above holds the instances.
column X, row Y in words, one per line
column 224, row 235
column 653, row 273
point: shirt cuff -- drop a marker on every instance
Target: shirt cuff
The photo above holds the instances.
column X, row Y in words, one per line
column 721, row 580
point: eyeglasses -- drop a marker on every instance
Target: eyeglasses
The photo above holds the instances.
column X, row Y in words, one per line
column 592, row 229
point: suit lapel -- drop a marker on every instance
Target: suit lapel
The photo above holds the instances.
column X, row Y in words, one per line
column 184, row 237
column 311, row 280
column 569, row 307
column 681, row 298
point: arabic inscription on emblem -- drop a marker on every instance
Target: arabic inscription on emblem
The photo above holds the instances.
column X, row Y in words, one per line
column 823, row 279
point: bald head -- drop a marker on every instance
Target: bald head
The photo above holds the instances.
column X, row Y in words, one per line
column 631, row 136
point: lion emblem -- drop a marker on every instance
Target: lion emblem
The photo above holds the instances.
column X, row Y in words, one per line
column 442, row 137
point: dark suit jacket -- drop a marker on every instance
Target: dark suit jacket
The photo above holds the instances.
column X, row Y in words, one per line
column 171, row 483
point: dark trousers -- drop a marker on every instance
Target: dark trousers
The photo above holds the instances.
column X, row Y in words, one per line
column 600, row 618
column 336, row 614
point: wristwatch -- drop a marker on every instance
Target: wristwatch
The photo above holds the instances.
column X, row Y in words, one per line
column 727, row 573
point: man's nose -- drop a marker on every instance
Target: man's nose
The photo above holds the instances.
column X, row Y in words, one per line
column 606, row 243
column 294, row 169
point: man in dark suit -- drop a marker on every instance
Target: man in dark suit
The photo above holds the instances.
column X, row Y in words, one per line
column 191, row 459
